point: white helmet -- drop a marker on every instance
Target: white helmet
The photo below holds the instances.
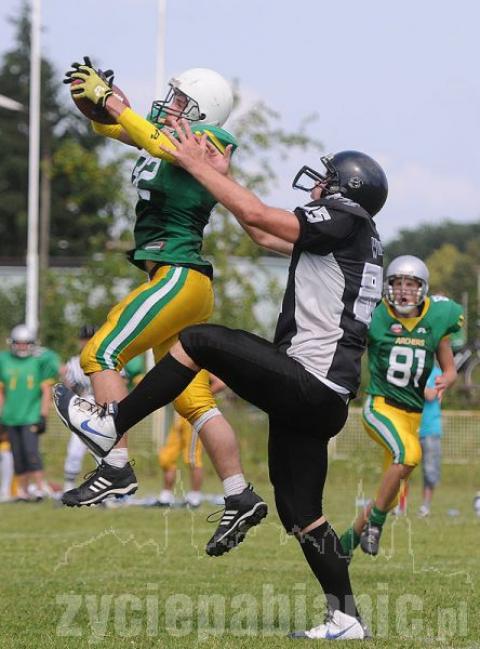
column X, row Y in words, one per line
column 406, row 266
column 21, row 341
column 210, row 97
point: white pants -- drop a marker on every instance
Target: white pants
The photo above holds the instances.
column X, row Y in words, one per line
column 73, row 462
column 6, row 470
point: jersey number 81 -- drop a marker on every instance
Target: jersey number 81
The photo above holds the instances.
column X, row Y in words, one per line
column 400, row 364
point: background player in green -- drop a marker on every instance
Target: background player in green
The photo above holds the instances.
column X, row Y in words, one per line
column 171, row 214
column 134, row 371
column 27, row 373
column 407, row 331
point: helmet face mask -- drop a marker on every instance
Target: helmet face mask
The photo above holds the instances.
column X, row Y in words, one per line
column 406, row 284
column 191, row 111
column 352, row 174
column 307, row 178
column 208, row 98
column 21, row 341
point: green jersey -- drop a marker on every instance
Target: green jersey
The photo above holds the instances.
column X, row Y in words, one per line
column 401, row 351
column 173, row 208
column 21, row 379
column 134, row 371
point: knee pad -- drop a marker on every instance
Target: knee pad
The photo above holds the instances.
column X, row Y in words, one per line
column 196, row 403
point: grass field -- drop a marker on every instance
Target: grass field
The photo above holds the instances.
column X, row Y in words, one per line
column 138, row 577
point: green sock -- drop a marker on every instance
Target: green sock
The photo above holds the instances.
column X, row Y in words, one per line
column 349, row 540
column 377, row 517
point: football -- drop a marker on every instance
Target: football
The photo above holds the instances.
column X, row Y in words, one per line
column 97, row 113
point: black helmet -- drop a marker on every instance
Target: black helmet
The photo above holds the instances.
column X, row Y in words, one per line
column 353, row 174
column 86, row 332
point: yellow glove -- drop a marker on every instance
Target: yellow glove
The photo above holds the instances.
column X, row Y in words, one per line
column 86, row 83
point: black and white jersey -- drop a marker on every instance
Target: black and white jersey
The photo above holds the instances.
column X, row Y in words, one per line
column 335, row 281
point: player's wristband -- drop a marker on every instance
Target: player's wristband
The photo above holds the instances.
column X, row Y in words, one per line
column 145, row 135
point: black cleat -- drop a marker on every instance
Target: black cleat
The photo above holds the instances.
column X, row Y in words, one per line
column 242, row 511
column 370, row 538
column 103, row 481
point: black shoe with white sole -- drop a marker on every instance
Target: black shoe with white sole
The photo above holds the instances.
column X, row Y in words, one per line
column 103, row 481
column 242, row 511
column 370, row 538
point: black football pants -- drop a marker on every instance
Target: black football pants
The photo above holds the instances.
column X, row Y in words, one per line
column 303, row 413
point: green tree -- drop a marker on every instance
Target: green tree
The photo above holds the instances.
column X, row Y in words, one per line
column 425, row 239
column 82, row 212
column 89, row 195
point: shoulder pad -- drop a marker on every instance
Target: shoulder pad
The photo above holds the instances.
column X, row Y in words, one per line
column 339, row 202
column 215, row 132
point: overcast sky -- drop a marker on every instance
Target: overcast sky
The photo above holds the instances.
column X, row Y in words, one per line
column 399, row 81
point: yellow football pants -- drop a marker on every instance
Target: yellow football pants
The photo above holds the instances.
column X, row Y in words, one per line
column 151, row 317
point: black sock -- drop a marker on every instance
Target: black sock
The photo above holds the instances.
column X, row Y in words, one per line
column 323, row 551
column 158, row 387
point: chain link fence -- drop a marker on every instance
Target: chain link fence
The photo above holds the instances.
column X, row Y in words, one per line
column 460, row 442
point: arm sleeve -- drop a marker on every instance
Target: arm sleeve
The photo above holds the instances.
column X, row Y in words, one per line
column 112, row 131
column 322, row 230
column 146, row 135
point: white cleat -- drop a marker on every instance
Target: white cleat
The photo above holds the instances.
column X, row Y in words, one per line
column 193, row 499
column 337, row 626
column 476, row 503
column 423, row 512
column 93, row 424
column 166, row 498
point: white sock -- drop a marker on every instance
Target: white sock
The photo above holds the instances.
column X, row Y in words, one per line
column 68, row 484
column 234, row 485
column 117, row 457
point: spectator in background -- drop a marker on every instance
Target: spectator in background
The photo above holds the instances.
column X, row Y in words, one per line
column 182, row 438
column 134, row 371
column 431, row 440
column 6, row 466
column 27, row 373
column 79, row 382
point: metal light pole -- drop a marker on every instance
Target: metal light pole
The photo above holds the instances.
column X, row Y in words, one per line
column 161, row 30
column 159, row 418
column 31, row 309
